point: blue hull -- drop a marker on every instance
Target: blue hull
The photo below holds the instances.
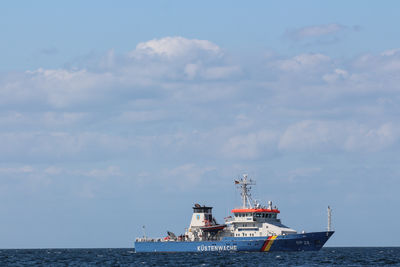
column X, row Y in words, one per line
column 296, row 242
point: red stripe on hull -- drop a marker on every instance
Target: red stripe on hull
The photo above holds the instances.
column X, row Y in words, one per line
column 265, row 244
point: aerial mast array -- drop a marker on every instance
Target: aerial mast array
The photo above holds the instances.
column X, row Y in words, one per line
column 245, row 194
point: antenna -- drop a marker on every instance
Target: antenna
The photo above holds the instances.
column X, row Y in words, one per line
column 329, row 218
column 144, row 233
column 244, row 185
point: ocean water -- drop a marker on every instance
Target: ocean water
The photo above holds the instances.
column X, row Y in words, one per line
column 379, row 256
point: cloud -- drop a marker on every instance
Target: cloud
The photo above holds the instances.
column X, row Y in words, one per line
column 391, row 52
column 175, row 96
column 249, row 146
column 49, row 51
column 315, row 31
column 304, row 62
column 110, row 171
column 40, row 120
column 174, row 47
column 309, row 135
column 44, row 146
column 338, row 136
column 336, row 75
column 141, row 116
column 53, row 170
column 319, row 35
column 372, row 139
column 148, row 70
column 185, row 176
column 17, row 170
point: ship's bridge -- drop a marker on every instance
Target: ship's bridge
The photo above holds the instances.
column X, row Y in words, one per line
column 202, row 216
column 256, row 213
column 262, row 210
column 202, row 209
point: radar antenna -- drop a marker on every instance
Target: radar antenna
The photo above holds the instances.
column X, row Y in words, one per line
column 245, row 194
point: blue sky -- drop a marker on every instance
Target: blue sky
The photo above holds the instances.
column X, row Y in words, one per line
column 114, row 116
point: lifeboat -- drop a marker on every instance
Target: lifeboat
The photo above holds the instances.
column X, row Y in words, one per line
column 213, row 228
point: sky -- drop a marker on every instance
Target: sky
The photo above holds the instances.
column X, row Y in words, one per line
column 115, row 115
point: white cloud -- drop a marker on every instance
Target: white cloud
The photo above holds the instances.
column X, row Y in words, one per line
column 390, row 52
column 53, row 170
column 41, row 119
column 339, row 136
column 150, row 69
column 372, row 139
column 338, row 74
column 171, row 47
column 179, row 95
column 141, row 116
column 45, row 146
column 221, row 72
column 191, row 70
column 316, row 31
column 60, row 87
column 184, row 176
column 309, row 135
column 304, row 62
column 249, row 146
column 110, row 171
column 17, row 170
column 386, row 63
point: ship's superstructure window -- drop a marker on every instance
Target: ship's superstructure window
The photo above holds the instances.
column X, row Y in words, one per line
column 199, row 209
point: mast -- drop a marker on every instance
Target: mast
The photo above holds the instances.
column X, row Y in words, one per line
column 329, row 218
column 144, row 232
column 245, row 194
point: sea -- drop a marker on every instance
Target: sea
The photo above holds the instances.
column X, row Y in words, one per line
column 330, row 256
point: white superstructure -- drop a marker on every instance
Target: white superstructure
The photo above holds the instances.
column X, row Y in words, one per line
column 251, row 219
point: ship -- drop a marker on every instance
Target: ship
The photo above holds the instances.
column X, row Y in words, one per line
column 251, row 227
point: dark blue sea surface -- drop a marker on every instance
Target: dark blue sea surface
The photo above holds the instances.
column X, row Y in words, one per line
column 374, row 256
